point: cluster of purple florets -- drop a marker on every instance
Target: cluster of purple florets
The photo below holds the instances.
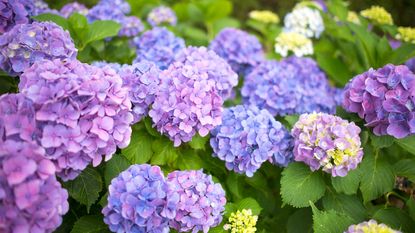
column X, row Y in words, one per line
column 73, row 7
column 384, row 98
column 12, row 12
column 161, row 15
column 248, row 137
column 411, row 64
column 292, row 86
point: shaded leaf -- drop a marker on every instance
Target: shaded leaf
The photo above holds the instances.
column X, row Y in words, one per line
column 139, row 151
column 59, row 20
column 395, row 218
column 114, row 167
column 330, row 221
column 348, row 184
column 301, row 221
column 90, row 224
column 249, row 203
column 349, row 205
column 407, row 143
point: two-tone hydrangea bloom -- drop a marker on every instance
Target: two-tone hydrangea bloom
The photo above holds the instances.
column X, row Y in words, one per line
column 264, row 16
column 353, row 17
column 83, row 112
column 384, row 98
column 305, row 21
column 73, row 7
column 187, row 103
column 131, row 26
column 328, row 142
column 292, row 86
column 241, row 50
column 217, row 69
column 248, row 137
column 140, row 200
column 12, row 12
column 28, row 43
column 406, row 34
column 158, row 45
column 369, row 227
column 161, row 15
column 377, row 15
column 201, row 201
column 293, row 42
column 242, row 222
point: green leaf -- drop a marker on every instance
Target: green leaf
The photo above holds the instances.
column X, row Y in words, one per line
column 90, row 224
column 349, row 205
column 104, row 200
column 218, row 9
column 230, row 208
column 139, row 151
column 102, row 29
column 298, row 176
column 249, row 203
column 405, row 168
column 86, row 187
column 334, row 67
column 367, row 40
column 379, row 142
column 402, row 54
column 115, row 166
column 59, row 20
column 338, row 8
column 189, row 160
column 198, row 142
column 348, row 184
column 410, row 206
column 234, row 184
column 383, row 51
column 395, row 218
column 196, row 35
column 291, row 119
column 148, row 124
column 258, row 181
column 164, row 152
column 407, row 143
column 303, row 216
column 330, row 221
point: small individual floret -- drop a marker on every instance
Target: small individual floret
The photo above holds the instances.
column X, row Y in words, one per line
column 293, row 42
column 161, row 15
column 384, row 98
column 242, row 222
column 158, row 45
column 12, row 12
column 264, row 16
column 241, row 50
column 140, row 200
column 73, row 7
column 305, row 21
column 28, row 43
column 370, row 226
column 248, row 137
column 406, row 34
column 377, row 15
column 328, row 142
column 131, row 26
column 353, row 17
column 201, row 203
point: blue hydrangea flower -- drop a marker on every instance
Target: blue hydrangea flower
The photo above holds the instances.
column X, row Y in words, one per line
column 73, row 7
column 131, row 26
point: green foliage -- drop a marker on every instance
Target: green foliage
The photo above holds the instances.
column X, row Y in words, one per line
column 198, row 142
column 140, row 150
column 395, row 218
column 90, row 224
column 249, row 203
column 407, row 143
column 115, row 166
column 350, row 205
column 300, row 222
column 348, row 184
column 405, row 168
column 330, row 221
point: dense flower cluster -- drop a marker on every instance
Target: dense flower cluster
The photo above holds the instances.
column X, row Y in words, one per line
column 384, row 98
column 12, row 12
column 353, row 17
column 161, row 15
column 264, row 16
column 115, row 66
column 240, row 49
column 248, row 137
column 292, row 86
column 73, row 7
column 370, row 226
column 406, row 34
column 201, row 201
column 140, row 200
column 131, row 26
column 305, row 21
column 158, row 45
column 122, row 5
column 187, row 102
column 28, row 43
column 328, row 142
column 293, row 42
column 377, row 15
column 214, row 66
column 242, row 222
column 83, row 112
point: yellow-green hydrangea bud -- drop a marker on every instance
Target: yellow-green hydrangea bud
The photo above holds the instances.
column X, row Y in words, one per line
column 353, row 17
column 242, row 222
column 295, row 42
column 370, row 226
column 377, row 15
column 406, row 34
column 264, row 16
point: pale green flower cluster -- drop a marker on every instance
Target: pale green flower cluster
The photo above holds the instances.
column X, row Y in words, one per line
column 294, row 42
column 264, row 16
column 406, row 34
column 377, row 15
column 242, row 222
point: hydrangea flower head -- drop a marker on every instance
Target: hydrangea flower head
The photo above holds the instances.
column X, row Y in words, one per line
column 411, row 64
column 377, row 15
column 161, row 15
column 12, row 12
column 384, row 99
column 140, row 200
column 264, row 16
column 187, row 103
column 122, row 5
column 131, row 26
column 201, row 201
column 353, row 17
column 83, row 112
column 242, row 222
column 293, row 42
column 248, row 137
column 370, row 226
column 73, row 7
column 241, row 50
column 305, row 21
column 293, row 86
column 158, row 45
column 406, row 34
column 28, row 43
column 207, row 61
column 328, row 142
column 37, row 7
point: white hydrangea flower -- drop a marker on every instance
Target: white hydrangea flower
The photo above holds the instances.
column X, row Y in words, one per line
column 295, row 42
column 304, row 20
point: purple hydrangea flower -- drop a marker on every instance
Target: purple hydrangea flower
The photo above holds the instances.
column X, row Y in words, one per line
column 384, row 98
column 73, row 7
column 115, row 66
column 140, row 200
column 12, row 12
column 131, row 26
column 248, row 137
column 122, row 5
column 104, row 11
column 240, row 49
column 83, row 112
column 370, row 226
column 328, row 142
column 293, row 86
column 187, row 102
column 411, row 64
column 201, row 202
column 28, row 43
column 216, row 68
column 161, row 15
column 158, row 45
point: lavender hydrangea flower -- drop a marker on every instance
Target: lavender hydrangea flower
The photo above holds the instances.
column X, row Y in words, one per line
column 240, row 49
column 28, row 43
column 248, row 137
column 158, row 45
column 161, row 15
column 384, row 99
column 73, row 7
column 411, row 64
column 328, row 142
column 131, row 26
column 293, row 86
column 122, row 5
column 115, row 66
column 83, row 112
column 104, row 11
column 201, row 201
column 12, row 12
column 370, row 226
column 216, row 67
column 187, row 102
column 140, row 200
